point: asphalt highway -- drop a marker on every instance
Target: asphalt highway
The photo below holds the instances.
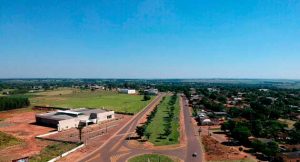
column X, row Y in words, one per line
column 104, row 153
column 118, row 141
column 193, row 145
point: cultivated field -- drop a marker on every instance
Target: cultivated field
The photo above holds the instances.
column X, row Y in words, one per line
column 157, row 127
column 71, row 98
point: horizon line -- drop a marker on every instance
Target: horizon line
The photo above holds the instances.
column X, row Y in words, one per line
column 117, row 78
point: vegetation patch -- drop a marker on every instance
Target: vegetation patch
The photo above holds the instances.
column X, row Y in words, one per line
column 52, row 151
column 89, row 99
column 151, row 158
column 8, row 103
column 7, row 140
column 162, row 124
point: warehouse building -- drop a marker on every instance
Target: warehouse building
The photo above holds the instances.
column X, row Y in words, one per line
column 126, row 91
column 66, row 119
column 151, row 91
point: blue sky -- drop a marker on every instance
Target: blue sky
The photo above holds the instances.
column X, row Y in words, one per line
column 150, row 39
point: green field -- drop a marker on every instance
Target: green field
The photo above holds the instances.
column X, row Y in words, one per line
column 157, row 126
column 52, row 151
column 151, row 158
column 7, row 140
column 69, row 98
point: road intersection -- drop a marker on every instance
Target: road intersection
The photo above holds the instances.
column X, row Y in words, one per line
column 118, row 149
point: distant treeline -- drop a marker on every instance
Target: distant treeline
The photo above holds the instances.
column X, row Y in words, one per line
column 8, row 103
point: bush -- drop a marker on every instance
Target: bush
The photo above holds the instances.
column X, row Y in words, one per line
column 147, row 97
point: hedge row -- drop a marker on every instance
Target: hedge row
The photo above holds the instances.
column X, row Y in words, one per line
column 9, row 103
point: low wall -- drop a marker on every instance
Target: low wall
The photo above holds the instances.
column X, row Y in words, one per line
column 46, row 108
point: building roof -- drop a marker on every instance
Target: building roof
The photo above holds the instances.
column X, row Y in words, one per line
column 69, row 114
column 220, row 113
column 264, row 140
column 292, row 155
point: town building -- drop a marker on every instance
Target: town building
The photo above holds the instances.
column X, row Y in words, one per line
column 66, row 119
column 126, row 91
column 151, row 91
column 291, row 156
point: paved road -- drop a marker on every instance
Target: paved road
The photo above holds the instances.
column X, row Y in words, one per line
column 114, row 143
column 193, row 144
column 118, row 147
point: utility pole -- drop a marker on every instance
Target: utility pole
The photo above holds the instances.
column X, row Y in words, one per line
column 208, row 131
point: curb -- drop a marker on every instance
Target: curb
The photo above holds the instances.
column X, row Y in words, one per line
column 66, row 153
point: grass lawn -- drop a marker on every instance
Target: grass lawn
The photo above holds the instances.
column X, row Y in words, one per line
column 157, row 126
column 52, row 151
column 88, row 99
column 7, row 140
column 150, row 158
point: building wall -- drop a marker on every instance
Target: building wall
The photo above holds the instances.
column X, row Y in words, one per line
column 131, row 91
column 70, row 123
column 127, row 91
column 73, row 123
column 105, row 116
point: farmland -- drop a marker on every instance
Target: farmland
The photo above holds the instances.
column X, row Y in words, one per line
column 70, row 98
column 163, row 129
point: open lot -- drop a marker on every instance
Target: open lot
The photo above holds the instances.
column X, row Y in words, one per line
column 157, row 126
column 217, row 152
column 19, row 123
column 74, row 98
column 7, row 140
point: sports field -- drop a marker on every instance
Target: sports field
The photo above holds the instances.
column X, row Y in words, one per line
column 71, row 98
column 159, row 124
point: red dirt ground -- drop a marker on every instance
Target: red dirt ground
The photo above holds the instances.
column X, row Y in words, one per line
column 216, row 151
column 96, row 142
column 19, row 123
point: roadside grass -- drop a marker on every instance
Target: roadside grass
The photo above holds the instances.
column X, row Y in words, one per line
column 7, row 140
column 151, row 158
column 52, row 151
column 241, row 160
column 89, row 99
column 157, row 126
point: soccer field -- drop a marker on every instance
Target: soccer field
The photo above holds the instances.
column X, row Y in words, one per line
column 87, row 99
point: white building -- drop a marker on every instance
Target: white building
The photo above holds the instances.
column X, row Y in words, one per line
column 66, row 119
column 206, row 122
column 126, row 91
column 151, row 91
